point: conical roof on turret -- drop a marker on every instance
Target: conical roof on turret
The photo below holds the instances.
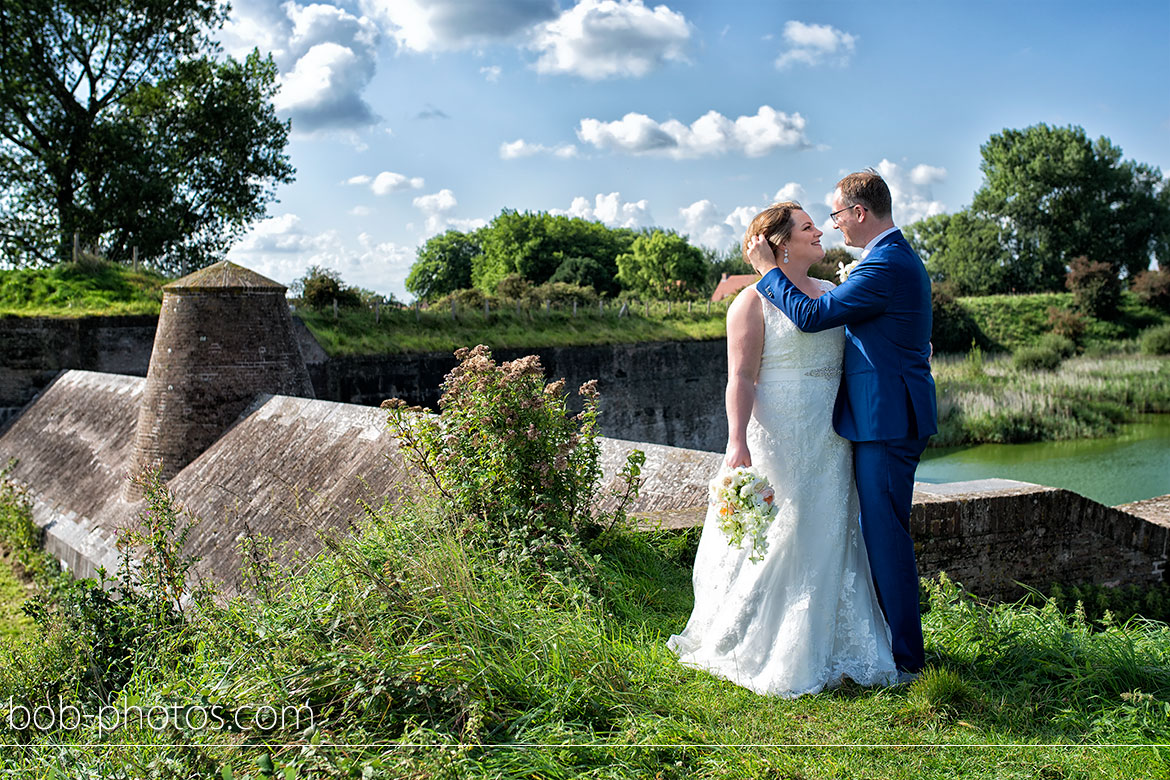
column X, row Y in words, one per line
column 224, row 276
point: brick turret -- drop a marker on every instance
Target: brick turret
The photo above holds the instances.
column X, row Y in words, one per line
column 224, row 335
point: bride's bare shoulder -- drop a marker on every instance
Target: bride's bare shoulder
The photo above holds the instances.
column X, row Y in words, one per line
column 746, row 301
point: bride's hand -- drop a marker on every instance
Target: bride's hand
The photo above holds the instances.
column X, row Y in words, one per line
column 738, row 455
column 760, row 255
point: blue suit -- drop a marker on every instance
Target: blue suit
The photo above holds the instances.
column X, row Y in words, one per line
column 885, row 406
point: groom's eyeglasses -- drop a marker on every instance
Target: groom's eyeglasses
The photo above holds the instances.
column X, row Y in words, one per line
column 833, row 216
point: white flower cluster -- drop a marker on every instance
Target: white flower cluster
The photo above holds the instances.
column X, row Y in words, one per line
column 843, row 270
column 746, row 505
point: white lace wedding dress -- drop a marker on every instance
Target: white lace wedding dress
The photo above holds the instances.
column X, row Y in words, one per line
column 806, row 615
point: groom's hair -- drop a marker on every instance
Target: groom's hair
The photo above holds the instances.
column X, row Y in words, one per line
column 866, row 188
column 774, row 222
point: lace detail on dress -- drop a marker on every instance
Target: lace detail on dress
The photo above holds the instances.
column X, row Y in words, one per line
column 806, row 616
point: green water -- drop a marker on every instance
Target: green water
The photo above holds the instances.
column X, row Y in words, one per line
column 1129, row 467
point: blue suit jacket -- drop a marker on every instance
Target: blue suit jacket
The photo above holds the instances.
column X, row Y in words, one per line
column 886, row 391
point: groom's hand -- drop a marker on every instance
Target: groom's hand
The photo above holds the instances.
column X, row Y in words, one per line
column 760, row 255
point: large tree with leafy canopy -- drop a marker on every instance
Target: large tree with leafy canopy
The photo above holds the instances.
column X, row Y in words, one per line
column 121, row 123
column 1059, row 195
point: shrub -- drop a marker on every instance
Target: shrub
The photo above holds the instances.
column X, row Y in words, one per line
column 469, row 298
column 1068, row 324
column 1061, row 345
column 1156, row 341
column 516, row 471
column 1153, row 288
column 320, row 287
column 1095, row 287
column 953, row 328
column 1036, row 359
column 513, row 287
column 560, row 294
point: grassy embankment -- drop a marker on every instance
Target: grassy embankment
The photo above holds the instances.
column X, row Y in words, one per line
column 417, row 655
column 75, row 290
column 982, row 399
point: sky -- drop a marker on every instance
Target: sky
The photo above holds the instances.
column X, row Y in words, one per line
column 413, row 117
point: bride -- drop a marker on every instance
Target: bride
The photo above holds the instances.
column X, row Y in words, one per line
column 805, row 616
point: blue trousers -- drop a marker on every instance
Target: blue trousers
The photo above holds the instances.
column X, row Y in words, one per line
column 885, row 487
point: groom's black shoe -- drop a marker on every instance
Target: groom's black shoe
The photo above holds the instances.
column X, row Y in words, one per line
column 905, row 678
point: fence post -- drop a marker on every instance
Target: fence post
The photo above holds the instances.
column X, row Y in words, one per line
column 417, row 316
column 647, row 311
column 453, row 309
column 574, row 307
column 546, row 305
column 134, row 254
column 334, row 308
column 76, row 246
column 377, row 312
column 601, row 307
column 668, row 306
column 487, row 309
column 624, row 311
column 689, row 305
column 708, row 307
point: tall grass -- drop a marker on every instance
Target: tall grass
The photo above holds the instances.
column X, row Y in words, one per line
column 987, row 399
column 409, row 653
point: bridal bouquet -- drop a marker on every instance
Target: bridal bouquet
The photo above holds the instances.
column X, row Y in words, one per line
column 746, row 505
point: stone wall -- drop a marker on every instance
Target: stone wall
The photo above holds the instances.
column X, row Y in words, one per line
column 294, row 468
column 668, row 393
column 33, row 350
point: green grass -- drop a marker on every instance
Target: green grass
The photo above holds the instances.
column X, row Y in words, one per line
column 1013, row 321
column 76, row 290
column 355, row 331
column 988, row 399
column 419, row 656
column 14, row 624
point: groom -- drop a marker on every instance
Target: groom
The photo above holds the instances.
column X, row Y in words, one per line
column 886, row 402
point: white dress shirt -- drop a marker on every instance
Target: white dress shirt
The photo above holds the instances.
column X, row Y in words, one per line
column 869, row 247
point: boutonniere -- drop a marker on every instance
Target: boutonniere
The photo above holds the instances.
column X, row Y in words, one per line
column 843, row 270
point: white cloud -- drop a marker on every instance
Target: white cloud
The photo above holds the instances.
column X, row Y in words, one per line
column 326, row 56
column 911, row 191
column 361, row 211
column 790, row 191
column 709, row 135
column 437, row 206
column 599, row 39
column 815, row 44
column 491, row 73
column 437, row 25
column 359, row 179
column 521, row 148
column 611, row 210
column 387, row 182
column 281, row 249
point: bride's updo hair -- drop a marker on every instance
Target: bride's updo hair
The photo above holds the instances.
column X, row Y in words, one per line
column 775, row 222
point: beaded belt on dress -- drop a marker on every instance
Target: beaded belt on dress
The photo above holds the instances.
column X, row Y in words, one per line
column 791, row 374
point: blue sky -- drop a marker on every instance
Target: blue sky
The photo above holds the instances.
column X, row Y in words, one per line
column 411, row 117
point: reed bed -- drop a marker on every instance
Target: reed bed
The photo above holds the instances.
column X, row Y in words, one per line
column 985, row 399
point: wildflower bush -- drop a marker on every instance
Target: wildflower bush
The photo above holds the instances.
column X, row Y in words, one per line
column 1095, row 287
column 516, row 471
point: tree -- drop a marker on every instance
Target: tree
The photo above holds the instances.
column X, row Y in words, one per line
column 1060, row 195
column 662, row 264
column 119, row 124
column 443, row 265
column 965, row 251
column 536, row 245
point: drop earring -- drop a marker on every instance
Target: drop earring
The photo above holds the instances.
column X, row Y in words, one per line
column 785, row 255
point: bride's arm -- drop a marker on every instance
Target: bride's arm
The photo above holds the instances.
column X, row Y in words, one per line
column 745, row 345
